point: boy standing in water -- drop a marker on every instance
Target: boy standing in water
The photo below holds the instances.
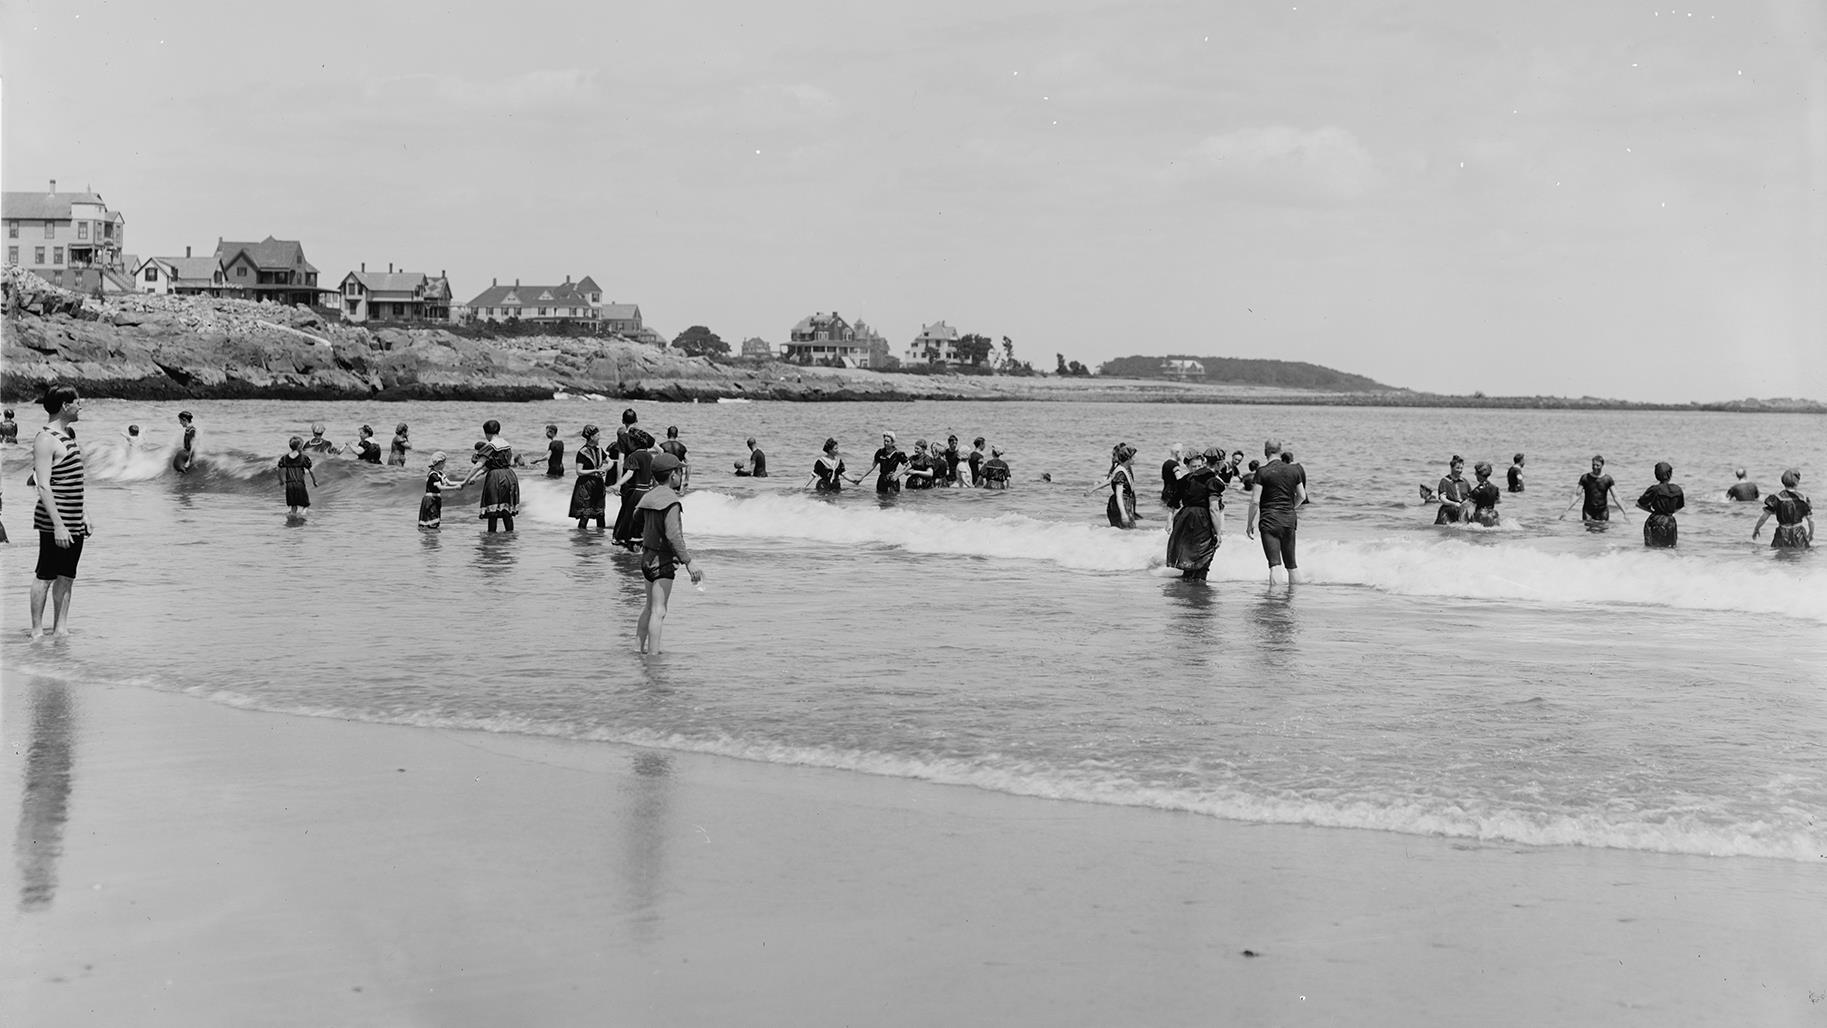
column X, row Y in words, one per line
column 57, row 472
column 757, row 465
column 662, row 549
column 1515, row 474
column 673, row 446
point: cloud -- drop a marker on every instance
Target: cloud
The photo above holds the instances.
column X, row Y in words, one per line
column 1327, row 163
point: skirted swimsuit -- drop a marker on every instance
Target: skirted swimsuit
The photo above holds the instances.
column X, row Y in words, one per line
column 830, row 475
column 1790, row 508
column 431, row 508
column 1193, row 541
column 588, row 494
column 1662, row 500
column 500, row 486
column 1122, row 506
column 1485, row 497
column 292, row 471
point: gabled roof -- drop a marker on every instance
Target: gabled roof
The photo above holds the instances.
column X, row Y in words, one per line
column 937, row 330
column 588, row 285
column 406, row 282
column 195, row 269
column 621, row 311
column 43, row 206
column 277, row 254
column 568, row 294
column 813, row 322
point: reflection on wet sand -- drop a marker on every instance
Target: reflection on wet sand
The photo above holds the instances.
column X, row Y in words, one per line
column 1276, row 626
column 646, row 837
column 44, row 806
column 496, row 553
column 1194, row 610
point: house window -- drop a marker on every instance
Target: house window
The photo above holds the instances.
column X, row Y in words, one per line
column 12, row 255
column 12, row 230
column 152, row 273
column 542, row 312
column 82, row 230
column 56, row 255
column 37, row 255
column 50, row 230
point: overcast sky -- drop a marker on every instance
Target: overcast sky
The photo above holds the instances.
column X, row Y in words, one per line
column 1575, row 198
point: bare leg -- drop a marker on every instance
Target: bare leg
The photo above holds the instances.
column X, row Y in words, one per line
column 1276, row 575
column 1294, row 576
column 60, row 605
column 653, row 617
column 41, row 590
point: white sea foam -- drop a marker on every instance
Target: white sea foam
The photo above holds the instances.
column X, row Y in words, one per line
column 1446, row 566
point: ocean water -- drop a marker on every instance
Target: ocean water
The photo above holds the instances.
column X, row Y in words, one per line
column 1537, row 683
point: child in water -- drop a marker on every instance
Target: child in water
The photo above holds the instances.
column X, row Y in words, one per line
column 1484, row 496
column 187, row 445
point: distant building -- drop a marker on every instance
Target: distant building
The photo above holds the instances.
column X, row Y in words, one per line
column 757, row 348
column 823, row 338
column 937, row 343
column 54, row 231
column 1177, row 368
column 576, row 303
column 876, row 353
column 623, row 318
column 181, row 276
column 272, row 270
column 395, row 296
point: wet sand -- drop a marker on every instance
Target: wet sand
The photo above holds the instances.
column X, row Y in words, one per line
column 175, row 862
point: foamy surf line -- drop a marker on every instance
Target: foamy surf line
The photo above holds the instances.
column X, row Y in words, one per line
column 1800, row 841
column 1446, row 568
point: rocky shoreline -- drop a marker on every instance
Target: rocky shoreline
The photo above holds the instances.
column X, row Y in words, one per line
column 146, row 347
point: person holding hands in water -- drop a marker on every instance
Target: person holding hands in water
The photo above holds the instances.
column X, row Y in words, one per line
column 663, row 549
column 889, row 460
column 431, row 506
column 828, row 472
column 1794, row 515
column 500, row 485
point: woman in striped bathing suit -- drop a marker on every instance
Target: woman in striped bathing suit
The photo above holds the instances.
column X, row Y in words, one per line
column 57, row 471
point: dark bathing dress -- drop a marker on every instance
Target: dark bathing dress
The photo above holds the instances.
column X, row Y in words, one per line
column 627, row 521
column 830, row 475
column 1121, row 509
column 500, row 486
column 1790, row 509
column 889, row 459
column 1485, row 497
column 292, row 475
column 1662, row 500
column 1170, row 484
column 588, row 494
column 1193, row 541
column 1452, row 493
column 431, row 508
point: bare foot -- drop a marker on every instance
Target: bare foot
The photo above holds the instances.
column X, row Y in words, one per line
column 37, row 634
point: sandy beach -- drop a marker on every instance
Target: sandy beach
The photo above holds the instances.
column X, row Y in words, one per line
column 174, row 861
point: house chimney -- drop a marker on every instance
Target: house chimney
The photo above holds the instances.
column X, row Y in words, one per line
column 516, row 283
column 187, row 251
column 53, row 187
column 493, row 282
column 389, row 267
column 364, row 267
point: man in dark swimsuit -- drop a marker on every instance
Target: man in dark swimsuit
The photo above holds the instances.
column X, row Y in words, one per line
column 1515, row 475
column 1280, row 489
column 758, row 463
column 1596, row 494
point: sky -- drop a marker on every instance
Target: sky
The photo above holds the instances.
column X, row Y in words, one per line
column 1580, row 198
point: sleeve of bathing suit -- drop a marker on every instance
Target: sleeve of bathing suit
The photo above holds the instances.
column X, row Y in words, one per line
column 675, row 534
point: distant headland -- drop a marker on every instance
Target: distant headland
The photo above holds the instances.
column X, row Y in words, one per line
column 150, row 347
